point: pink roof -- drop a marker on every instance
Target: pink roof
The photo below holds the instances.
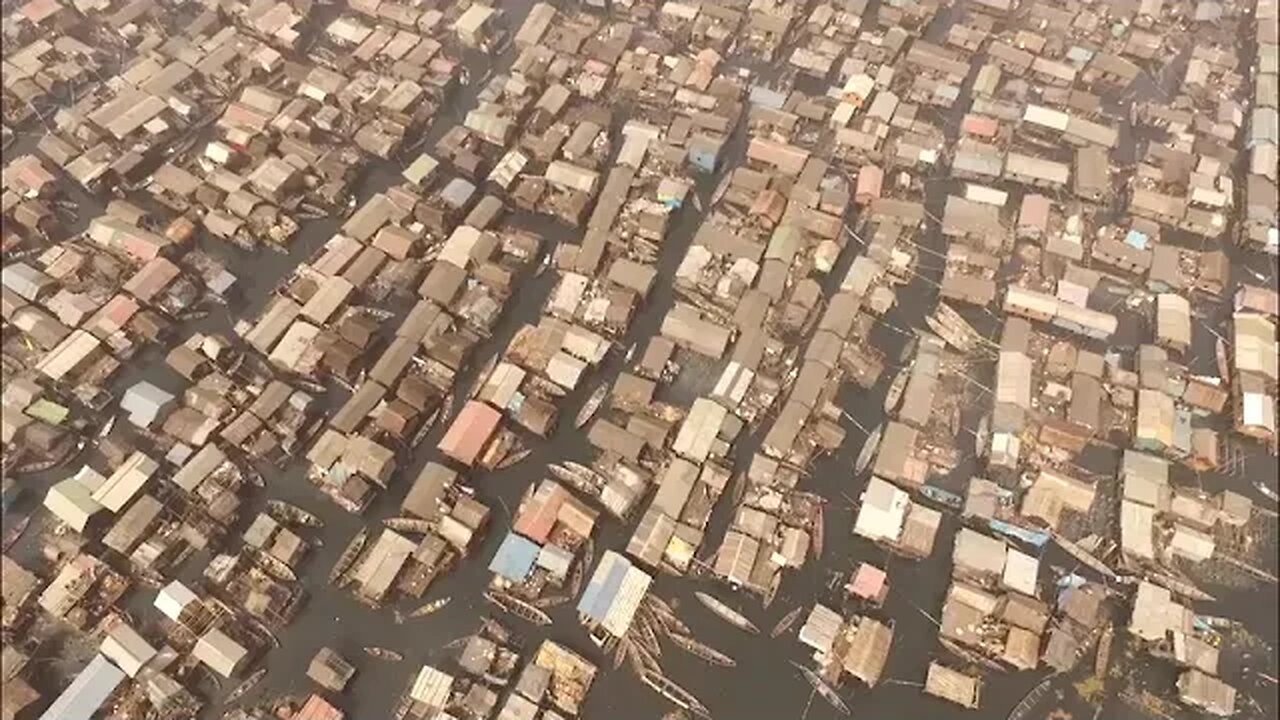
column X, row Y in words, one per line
column 470, row 432
column 868, row 582
column 38, row 10
column 115, row 314
column 980, row 125
column 870, row 179
column 317, row 709
column 1034, row 211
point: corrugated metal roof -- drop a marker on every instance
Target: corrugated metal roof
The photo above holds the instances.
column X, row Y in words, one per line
column 515, row 557
column 603, row 587
column 432, row 687
column 85, row 695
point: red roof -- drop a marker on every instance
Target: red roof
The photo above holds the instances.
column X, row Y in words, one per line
column 317, row 709
column 115, row 314
column 980, row 125
column 539, row 515
column 470, row 432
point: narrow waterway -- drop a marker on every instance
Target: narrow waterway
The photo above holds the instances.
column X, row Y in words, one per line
column 764, row 685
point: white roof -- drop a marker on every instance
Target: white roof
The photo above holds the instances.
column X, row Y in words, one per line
column 458, row 247
column 289, row 352
column 1046, row 117
column 1020, row 572
column 680, row 10
column 384, row 562
column 1173, row 318
column 1136, row 524
column 634, row 586
column 1036, row 168
column 565, row 370
column 883, row 511
column 1155, row 613
column 67, row 354
column 72, row 503
column 173, row 598
column 473, row 18
column 1191, row 543
column 1036, row 302
column 127, row 649
column 432, row 687
column 979, row 552
column 1013, row 379
column 984, row 194
column 1257, row 410
column 699, row 430
column 569, row 175
column 420, row 169
column 222, row 654
column 126, row 481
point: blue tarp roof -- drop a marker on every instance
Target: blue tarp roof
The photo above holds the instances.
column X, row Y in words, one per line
column 1137, row 239
column 1031, row 537
column 86, row 694
column 603, row 588
column 515, row 557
